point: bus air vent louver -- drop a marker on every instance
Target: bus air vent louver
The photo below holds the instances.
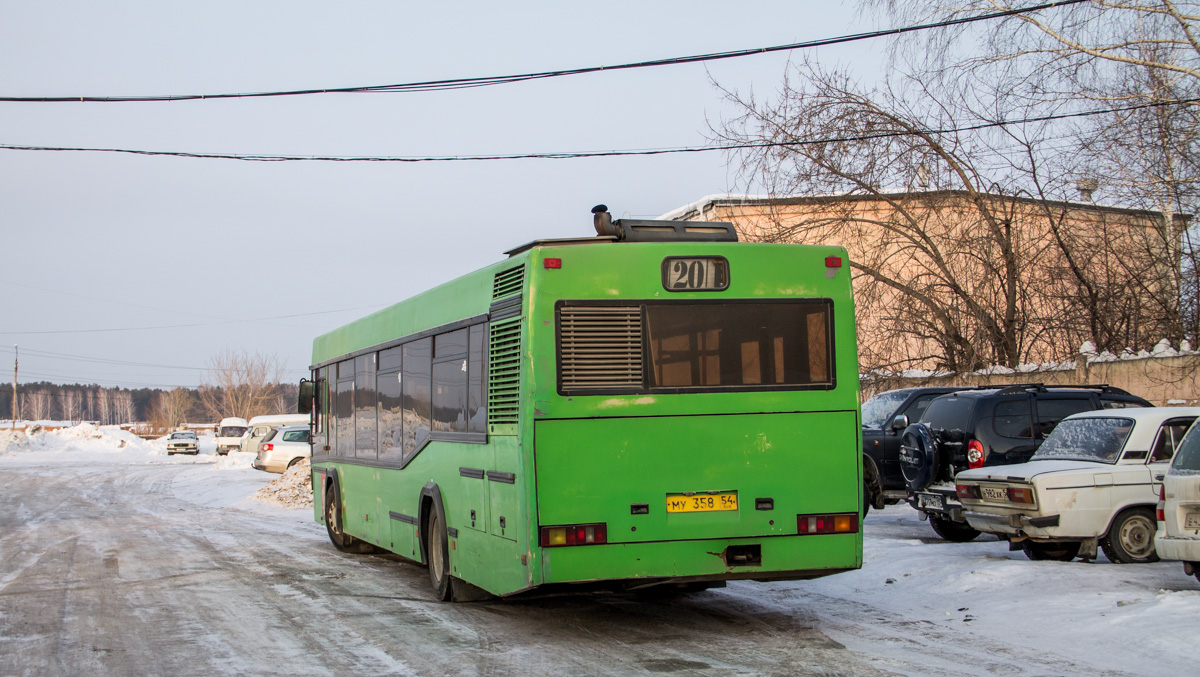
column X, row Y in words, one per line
column 601, row 347
column 504, row 371
column 508, row 282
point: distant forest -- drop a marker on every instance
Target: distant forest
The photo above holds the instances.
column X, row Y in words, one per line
column 76, row 402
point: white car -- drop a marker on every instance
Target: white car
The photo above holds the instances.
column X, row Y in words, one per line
column 282, row 448
column 183, row 442
column 1091, row 483
column 1178, row 535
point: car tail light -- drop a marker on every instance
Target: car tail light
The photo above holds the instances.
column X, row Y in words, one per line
column 1160, row 513
column 827, row 524
column 266, row 447
column 1020, row 495
column 967, row 490
column 574, row 534
column 974, row 454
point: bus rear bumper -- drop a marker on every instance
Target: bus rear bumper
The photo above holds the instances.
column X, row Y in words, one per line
column 760, row 559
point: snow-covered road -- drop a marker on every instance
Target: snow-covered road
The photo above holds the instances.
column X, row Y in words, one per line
column 143, row 564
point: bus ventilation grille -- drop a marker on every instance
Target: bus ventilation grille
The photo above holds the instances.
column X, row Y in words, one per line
column 504, row 371
column 508, row 282
column 601, row 347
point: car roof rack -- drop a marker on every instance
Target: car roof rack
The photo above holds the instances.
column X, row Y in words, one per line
column 1103, row 388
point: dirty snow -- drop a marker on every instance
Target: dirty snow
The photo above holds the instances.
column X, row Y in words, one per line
column 292, row 489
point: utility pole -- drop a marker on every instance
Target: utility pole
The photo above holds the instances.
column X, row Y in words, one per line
column 14, row 402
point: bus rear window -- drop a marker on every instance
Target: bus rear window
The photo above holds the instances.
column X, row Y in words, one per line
column 739, row 344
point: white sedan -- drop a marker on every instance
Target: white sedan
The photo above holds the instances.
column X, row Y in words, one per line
column 1091, row 483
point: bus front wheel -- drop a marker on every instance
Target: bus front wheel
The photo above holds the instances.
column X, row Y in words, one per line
column 437, row 549
column 333, row 522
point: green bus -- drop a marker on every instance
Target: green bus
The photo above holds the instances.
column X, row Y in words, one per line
column 656, row 405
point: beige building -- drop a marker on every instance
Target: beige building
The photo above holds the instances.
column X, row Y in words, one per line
column 958, row 280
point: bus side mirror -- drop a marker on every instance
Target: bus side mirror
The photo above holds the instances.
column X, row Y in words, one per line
column 307, row 393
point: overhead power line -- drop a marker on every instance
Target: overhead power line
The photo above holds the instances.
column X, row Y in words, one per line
column 197, row 324
column 487, row 81
column 572, row 155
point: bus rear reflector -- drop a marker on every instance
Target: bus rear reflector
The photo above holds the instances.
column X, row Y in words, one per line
column 827, row 524
column 552, row 263
column 833, row 262
column 575, row 534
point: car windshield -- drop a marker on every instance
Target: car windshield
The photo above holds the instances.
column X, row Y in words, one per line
column 1187, row 457
column 181, row 436
column 876, row 410
column 1086, row 439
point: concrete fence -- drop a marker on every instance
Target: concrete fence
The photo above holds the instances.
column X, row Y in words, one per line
column 1162, row 380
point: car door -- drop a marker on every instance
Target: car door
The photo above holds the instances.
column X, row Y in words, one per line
column 1162, row 452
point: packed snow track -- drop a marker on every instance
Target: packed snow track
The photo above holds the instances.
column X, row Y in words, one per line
column 166, row 568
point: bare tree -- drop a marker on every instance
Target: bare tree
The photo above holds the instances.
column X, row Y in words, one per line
column 123, row 406
column 170, row 409
column 36, row 405
column 70, row 404
column 964, row 249
column 241, row 384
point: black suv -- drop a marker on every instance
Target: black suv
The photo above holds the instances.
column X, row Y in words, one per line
column 986, row 427
column 884, row 417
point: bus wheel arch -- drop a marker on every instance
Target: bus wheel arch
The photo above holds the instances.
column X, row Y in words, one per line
column 333, row 519
column 435, row 543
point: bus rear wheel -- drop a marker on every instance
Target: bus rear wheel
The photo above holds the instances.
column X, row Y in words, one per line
column 437, row 549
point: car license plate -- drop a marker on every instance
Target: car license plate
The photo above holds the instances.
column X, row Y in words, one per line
column 994, row 493
column 932, row 501
column 702, row 502
column 1192, row 520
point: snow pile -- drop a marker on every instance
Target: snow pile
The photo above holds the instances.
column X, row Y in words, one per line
column 235, row 460
column 12, row 440
column 292, row 489
column 86, row 439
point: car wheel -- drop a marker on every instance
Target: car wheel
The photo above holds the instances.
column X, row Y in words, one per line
column 437, row 549
column 1130, row 539
column 333, row 522
column 959, row 532
column 1062, row 551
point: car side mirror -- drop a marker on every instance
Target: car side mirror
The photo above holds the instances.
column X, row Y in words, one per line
column 900, row 422
column 307, row 393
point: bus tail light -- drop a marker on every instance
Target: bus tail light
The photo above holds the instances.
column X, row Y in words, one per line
column 1020, row 495
column 975, row 454
column 575, row 534
column 827, row 524
column 967, row 490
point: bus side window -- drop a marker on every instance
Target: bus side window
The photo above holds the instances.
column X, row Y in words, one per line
column 415, row 392
column 343, row 422
column 476, row 368
column 391, row 416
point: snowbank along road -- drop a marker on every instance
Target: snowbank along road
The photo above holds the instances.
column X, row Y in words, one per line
column 122, row 561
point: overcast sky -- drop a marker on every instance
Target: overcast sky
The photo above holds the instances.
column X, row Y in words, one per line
column 96, row 241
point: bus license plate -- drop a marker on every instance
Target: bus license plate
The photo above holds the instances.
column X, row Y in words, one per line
column 931, row 501
column 994, row 493
column 1192, row 520
column 702, row 502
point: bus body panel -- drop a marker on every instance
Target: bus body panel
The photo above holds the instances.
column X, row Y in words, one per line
column 598, row 470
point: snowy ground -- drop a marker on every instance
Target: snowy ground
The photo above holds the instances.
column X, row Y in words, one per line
column 117, row 559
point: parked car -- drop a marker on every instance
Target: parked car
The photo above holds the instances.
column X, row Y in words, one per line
column 260, row 426
column 1178, row 535
column 183, row 442
column 1092, row 482
column 884, row 418
column 984, row 428
column 283, row 447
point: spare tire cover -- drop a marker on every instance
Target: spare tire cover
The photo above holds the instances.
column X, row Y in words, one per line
column 918, row 456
